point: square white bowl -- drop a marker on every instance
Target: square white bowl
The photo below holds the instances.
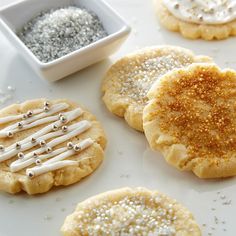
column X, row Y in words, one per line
column 14, row 16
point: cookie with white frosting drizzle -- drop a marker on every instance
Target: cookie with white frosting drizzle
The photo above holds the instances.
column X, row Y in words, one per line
column 128, row 211
column 47, row 143
column 128, row 81
column 207, row 19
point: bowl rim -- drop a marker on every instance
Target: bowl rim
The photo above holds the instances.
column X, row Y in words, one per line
column 123, row 31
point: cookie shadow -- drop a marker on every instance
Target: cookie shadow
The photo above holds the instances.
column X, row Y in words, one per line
column 155, row 163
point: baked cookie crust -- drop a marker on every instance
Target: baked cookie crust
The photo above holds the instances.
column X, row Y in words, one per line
column 88, row 159
column 193, row 30
column 127, row 82
column 128, row 211
column 191, row 120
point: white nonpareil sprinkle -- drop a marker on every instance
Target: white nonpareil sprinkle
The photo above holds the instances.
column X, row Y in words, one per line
column 129, row 216
column 55, row 33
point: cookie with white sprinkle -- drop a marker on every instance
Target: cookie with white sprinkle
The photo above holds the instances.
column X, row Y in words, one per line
column 127, row 82
column 194, row 19
column 128, row 211
column 191, row 120
column 47, row 143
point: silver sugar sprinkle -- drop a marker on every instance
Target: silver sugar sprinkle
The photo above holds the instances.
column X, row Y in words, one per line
column 57, row 32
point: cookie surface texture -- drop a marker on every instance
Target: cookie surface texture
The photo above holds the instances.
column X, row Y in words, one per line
column 130, row 212
column 47, row 143
column 209, row 20
column 191, row 120
column 127, row 82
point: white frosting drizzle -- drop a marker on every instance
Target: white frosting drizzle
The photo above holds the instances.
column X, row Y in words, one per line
column 203, row 11
column 71, row 115
column 26, row 144
column 55, row 159
column 38, row 170
column 82, row 145
column 8, row 119
column 36, row 120
column 59, row 155
column 72, row 132
column 21, row 164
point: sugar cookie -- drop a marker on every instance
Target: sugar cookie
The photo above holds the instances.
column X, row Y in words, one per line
column 198, row 19
column 47, row 143
column 191, row 119
column 127, row 82
column 130, row 212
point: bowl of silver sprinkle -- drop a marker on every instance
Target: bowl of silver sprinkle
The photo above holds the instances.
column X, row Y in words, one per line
column 56, row 33
column 61, row 37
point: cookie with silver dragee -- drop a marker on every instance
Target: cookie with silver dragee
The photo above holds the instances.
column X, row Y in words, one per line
column 47, row 143
column 208, row 20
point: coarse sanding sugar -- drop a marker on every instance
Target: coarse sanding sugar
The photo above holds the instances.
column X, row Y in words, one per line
column 57, row 32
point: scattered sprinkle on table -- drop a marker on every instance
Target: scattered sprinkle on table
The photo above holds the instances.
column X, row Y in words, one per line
column 218, row 222
column 6, row 95
column 47, row 217
column 55, row 33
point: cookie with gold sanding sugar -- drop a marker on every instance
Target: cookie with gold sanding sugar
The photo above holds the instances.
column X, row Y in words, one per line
column 191, row 120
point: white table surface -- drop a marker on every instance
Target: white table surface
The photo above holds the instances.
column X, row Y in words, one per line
column 129, row 161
